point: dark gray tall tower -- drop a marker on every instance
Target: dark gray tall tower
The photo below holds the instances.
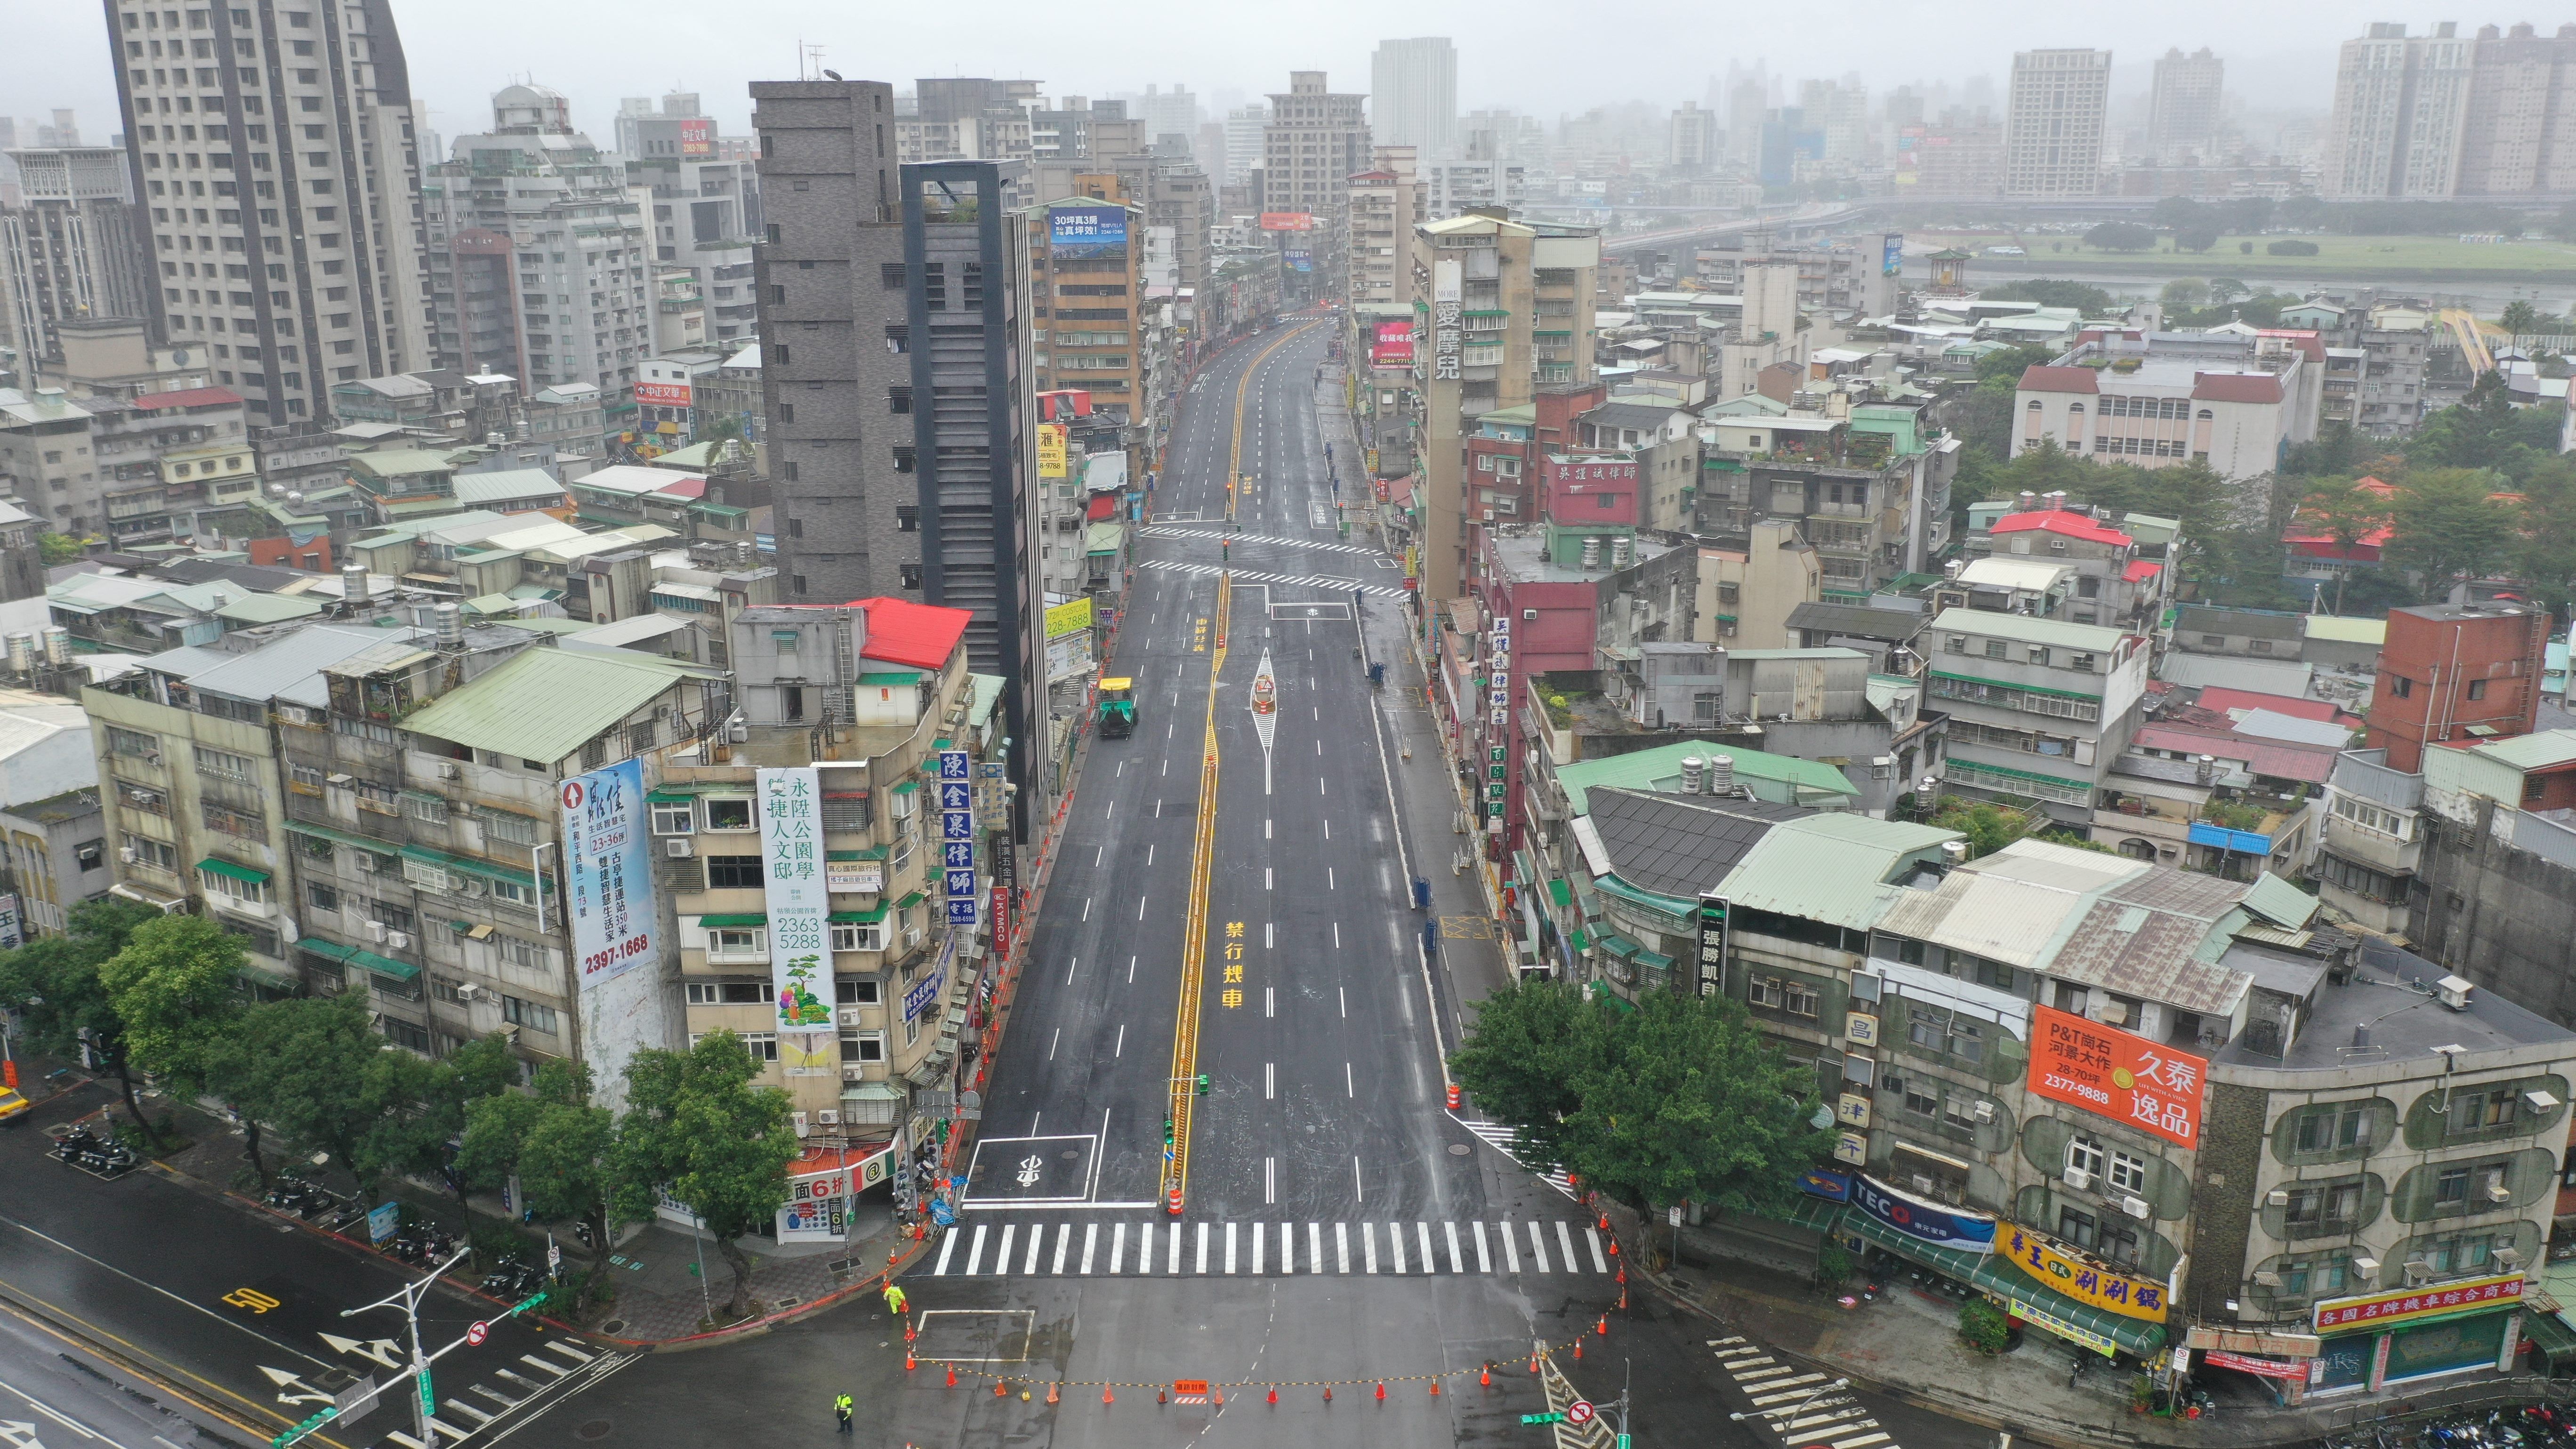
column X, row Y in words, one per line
column 890, row 320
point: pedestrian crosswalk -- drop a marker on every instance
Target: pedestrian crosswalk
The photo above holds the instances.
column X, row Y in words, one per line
column 1211, row 535
column 1248, row 576
column 1503, row 1140
column 1271, row 1249
column 1806, row 1410
column 531, row 1374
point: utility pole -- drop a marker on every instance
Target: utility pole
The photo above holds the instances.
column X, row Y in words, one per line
column 1627, row 1372
column 409, row 1296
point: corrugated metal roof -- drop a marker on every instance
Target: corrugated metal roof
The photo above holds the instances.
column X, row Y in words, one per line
column 2280, row 902
column 2012, row 906
column 269, row 609
column 2531, row 752
column 2025, row 629
column 1679, row 845
column 545, row 703
column 1660, row 769
column 2135, row 950
column 1831, row 867
column 291, row 668
column 507, row 485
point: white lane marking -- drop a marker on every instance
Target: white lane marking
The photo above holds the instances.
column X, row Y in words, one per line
column 1090, row 1243
column 1328, row 830
column 1117, row 1248
column 1328, row 879
column 1344, row 993
column 1359, row 1189
column 1423, row 1231
column 1565, row 1245
column 1456, row 1263
column 947, row 1245
column 1174, row 1264
column 1599, row 1263
column 1538, row 1247
column 975, row 1252
column 1051, row 1041
column 1086, row 908
column 1350, row 1084
column 1203, row 1247
column 1140, row 908
column 1315, row 1246
column 1256, row 1250
column 1265, row 877
column 1511, row 1253
column 1484, row 1260
column 1368, row 1244
column 1063, row 1242
column 1229, row 1247
column 1395, row 1245
column 1269, row 1081
column 1269, row 1182
column 1269, row 1001
column 1120, row 1049
column 1268, row 940
column 1131, row 970
column 1002, row 1250
column 1069, row 970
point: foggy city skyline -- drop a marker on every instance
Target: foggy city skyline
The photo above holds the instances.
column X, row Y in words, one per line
column 1508, row 56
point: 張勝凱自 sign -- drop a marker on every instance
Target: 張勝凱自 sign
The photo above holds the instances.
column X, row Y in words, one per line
column 2069, row 1272
column 2119, row 1075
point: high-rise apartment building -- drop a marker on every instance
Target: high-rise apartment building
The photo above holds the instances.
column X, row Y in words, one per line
column 1413, row 98
column 1386, row 202
column 892, row 380
column 539, row 265
column 1245, row 127
column 276, row 152
column 1315, row 142
column 2183, row 108
column 701, row 199
column 1505, row 306
column 1692, row 137
column 71, row 247
column 2400, row 106
column 966, row 117
column 1173, row 112
column 2520, row 133
column 2053, row 123
column 1747, row 102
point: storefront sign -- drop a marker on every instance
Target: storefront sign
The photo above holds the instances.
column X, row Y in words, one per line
column 1851, row 1147
column 799, row 901
column 933, row 984
column 697, row 136
column 854, row 877
column 1919, row 1218
column 2270, row 1368
column 663, row 394
column 1860, row 1027
column 2117, row 1074
column 2412, row 1305
column 1852, row 1110
column 1392, row 346
column 2078, row 1277
column 1448, row 288
column 2082, row 1337
column 1817, row 1182
column 1051, row 450
column 957, row 804
column 2274, row 1345
column 1287, row 221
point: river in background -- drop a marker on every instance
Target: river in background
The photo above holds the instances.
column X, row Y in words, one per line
column 2484, row 296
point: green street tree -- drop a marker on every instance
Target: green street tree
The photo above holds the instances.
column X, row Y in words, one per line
column 562, row 1148
column 2520, row 318
column 696, row 1124
column 2197, row 237
column 53, row 983
column 2120, row 236
column 2448, row 524
column 1680, row 1099
column 305, row 1067
column 428, row 1105
column 177, row 988
column 2345, row 514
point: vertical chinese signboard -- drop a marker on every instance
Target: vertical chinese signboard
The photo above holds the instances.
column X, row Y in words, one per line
column 1712, row 944
column 1051, row 450
column 957, row 837
column 799, row 900
column 697, row 136
column 1448, row 288
column 613, row 921
column 2127, row 1078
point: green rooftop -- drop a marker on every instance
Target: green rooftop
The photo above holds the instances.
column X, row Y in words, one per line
column 545, row 704
column 1782, row 779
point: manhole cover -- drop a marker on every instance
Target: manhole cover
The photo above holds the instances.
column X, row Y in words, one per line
column 595, row 1429
column 786, row 1302
column 613, row 1327
column 1069, row 1156
column 1457, row 1149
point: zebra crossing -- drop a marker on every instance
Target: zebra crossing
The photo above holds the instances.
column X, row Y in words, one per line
column 1271, row 1249
column 514, row 1387
column 1212, row 534
column 1247, row 576
column 1806, row 1410
column 1503, row 1140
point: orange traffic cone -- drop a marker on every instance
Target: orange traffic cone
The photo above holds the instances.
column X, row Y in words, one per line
column 908, row 1364
column 1051, row 1392
column 1274, row 1393
column 1623, row 1300
column 1614, row 1247
column 1381, row 1391
column 1485, row 1377
column 1603, row 1327
column 1328, row 1393
column 1623, row 1272
column 1578, row 1348
column 1533, row 1360
column 908, row 1334
column 1107, row 1397
column 952, row 1376
column 1000, row 1388
column 1216, row 1396
column 1162, row 1396
column 1435, row 1388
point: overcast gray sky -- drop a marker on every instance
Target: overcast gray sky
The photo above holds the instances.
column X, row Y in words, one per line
column 1545, row 57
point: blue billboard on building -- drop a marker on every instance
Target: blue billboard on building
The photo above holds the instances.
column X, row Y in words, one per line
column 1086, row 231
column 1892, row 258
column 1300, row 261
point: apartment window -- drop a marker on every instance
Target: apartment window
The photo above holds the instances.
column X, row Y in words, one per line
column 528, row 1015
column 730, row 814
column 763, row 1045
column 2128, row 1173
column 2084, row 1155
column 2477, row 689
column 905, row 460
column 1994, row 649
column 2459, row 1253
column 225, row 765
column 2332, row 1129
column 133, row 743
column 1923, row 1098
column 428, row 809
column 909, row 575
column 2330, row 1207
column 733, row 873
column 243, row 823
column 849, row 936
column 857, row 991
column 2451, row 1188
column 890, row 276
column 506, row 826
column 1959, row 1109
column 899, row 399
column 736, row 941
column 862, row 1046
column 2478, row 1111
column 147, row 851
column 674, row 817
column 2401, row 687
column 2316, row 1277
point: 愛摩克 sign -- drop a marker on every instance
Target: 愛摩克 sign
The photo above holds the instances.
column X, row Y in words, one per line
column 798, row 896
column 2121, row 1076
column 609, row 870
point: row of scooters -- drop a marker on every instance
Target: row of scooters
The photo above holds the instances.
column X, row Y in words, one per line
column 104, row 1158
column 2534, row 1426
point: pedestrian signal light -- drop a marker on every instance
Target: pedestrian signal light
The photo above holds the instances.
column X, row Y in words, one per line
column 1203, row 1084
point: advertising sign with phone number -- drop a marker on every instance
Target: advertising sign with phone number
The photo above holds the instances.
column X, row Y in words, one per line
column 608, row 872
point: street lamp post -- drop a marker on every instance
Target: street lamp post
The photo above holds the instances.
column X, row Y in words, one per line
column 409, row 1296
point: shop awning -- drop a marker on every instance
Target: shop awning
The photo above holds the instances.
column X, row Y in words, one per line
column 1619, row 946
column 1559, row 892
column 214, row 866
column 488, row 869
column 2551, row 1335
column 858, row 918
column 756, row 918
column 384, row 965
column 1654, row 960
column 2001, row 1278
column 1578, row 939
column 908, row 902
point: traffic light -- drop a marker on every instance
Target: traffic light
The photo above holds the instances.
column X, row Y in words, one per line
column 1167, row 1132
column 1203, row 1084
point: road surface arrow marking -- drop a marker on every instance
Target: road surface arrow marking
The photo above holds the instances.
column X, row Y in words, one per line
column 381, row 1352
column 285, row 1380
column 19, row 1434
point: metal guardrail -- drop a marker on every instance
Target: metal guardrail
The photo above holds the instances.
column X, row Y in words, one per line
column 2485, row 1395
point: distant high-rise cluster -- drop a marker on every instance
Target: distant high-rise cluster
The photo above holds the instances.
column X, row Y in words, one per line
column 2428, row 117
column 2183, row 110
column 2053, row 126
column 1414, row 96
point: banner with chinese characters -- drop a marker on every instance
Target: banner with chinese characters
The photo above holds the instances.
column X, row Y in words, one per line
column 2117, row 1074
column 1448, row 290
column 800, row 903
column 957, row 827
column 2069, row 1272
column 609, row 872
column 1051, row 450
column 2409, row 1305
